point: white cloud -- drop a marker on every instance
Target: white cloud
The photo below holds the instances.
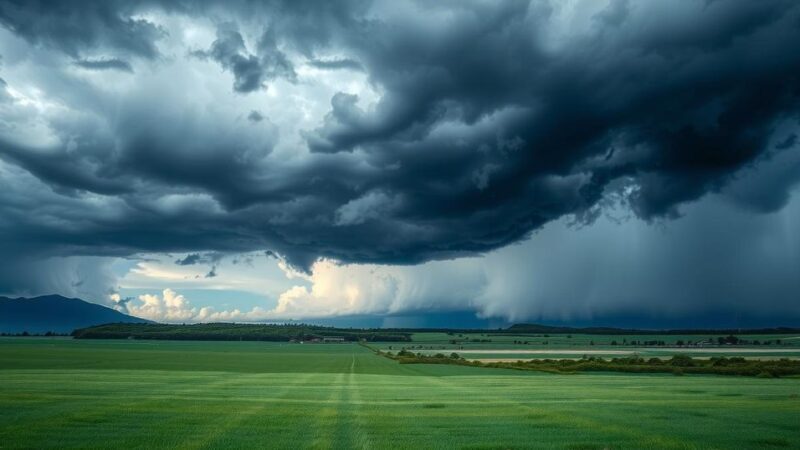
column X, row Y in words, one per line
column 339, row 290
column 171, row 307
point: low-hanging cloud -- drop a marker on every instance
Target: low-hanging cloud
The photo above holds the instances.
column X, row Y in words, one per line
column 621, row 272
column 105, row 64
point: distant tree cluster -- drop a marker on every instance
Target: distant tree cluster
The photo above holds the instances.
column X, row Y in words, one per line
column 26, row 334
column 236, row 332
column 677, row 365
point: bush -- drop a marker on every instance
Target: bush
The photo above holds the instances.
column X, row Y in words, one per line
column 681, row 361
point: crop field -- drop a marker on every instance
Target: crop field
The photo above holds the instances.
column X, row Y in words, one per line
column 494, row 340
column 136, row 394
column 511, row 347
column 644, row 352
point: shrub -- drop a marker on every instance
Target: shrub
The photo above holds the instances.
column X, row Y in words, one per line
column 681, row 361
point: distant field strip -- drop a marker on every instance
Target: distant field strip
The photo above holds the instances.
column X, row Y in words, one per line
column 72, row 394
column 632, row 351
column 500, row 355
column 544, row 352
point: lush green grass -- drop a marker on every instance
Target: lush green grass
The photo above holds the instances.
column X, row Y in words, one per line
column 65, row 393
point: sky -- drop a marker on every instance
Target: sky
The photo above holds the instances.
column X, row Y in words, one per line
column 405, row 163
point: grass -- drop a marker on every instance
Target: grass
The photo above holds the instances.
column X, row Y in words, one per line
column 67, row 393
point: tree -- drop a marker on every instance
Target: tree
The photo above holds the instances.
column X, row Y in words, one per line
column 682, row 361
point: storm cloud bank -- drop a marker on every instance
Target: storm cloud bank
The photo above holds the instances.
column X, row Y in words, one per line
column 387, row 132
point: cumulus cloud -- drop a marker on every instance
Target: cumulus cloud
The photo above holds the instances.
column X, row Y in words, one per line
column 172, row 307
column 169, row 307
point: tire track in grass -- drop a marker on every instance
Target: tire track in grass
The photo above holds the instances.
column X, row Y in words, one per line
column 178, row 421
column 215, row 437
column 328, row 419
column 640, row 439
column 361, row 432
column 93, row 408
column 340, row 423
column 103, row 412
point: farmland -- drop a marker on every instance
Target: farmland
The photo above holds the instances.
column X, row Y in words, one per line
column 511, row 347
column 57, row 392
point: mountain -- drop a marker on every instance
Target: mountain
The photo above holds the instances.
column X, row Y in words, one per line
column 55, row 313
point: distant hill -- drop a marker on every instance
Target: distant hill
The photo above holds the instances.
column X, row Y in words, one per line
column 55, row 313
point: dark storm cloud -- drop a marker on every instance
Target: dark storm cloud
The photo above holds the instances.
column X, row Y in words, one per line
column 77, row 27
column 492, row 120
column 335, row 64
column 105, row 64
column 250, row 72
column 614, row 14
column 197, row 258
column 190, row 259
column 787, row 143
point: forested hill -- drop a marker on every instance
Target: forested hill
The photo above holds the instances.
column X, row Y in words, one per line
column 236, row 332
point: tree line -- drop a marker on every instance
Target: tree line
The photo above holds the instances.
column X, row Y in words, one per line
column 233, row 332
column 676, row 365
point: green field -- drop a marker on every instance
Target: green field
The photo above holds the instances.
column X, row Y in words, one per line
column 511, row 347
column 136, row 394
column 570, row 341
